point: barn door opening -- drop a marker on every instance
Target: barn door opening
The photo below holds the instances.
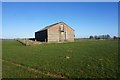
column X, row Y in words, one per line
column 61, row 33
column 65, row 36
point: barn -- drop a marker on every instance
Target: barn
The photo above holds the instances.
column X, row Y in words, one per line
column 58, row 32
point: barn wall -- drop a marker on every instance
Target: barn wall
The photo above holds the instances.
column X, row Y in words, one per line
column 54, row 35
column 41, row 36
column 69, row 33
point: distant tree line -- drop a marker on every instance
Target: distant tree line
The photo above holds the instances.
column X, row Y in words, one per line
column 104, row 37
column 7, row 39
column 116, row 38
column 100, row 37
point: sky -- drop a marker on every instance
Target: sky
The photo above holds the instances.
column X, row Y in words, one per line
column 23, row 19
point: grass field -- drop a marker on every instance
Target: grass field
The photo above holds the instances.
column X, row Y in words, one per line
column 87, row 59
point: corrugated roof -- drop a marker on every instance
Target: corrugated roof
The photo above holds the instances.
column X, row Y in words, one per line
column 51, row 26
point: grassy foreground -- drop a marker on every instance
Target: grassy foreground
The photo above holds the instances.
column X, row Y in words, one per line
column 87, row 59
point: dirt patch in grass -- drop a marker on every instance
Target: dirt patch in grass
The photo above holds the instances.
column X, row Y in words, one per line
column 34, row 70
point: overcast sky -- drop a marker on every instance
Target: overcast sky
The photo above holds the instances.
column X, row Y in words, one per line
column 22, row 19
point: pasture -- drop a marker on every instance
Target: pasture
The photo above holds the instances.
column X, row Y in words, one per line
column 86, row 59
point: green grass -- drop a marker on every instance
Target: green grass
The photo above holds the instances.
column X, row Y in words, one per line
column 88, row 59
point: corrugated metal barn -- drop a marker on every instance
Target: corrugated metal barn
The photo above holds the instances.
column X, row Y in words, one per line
column 58, row 32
